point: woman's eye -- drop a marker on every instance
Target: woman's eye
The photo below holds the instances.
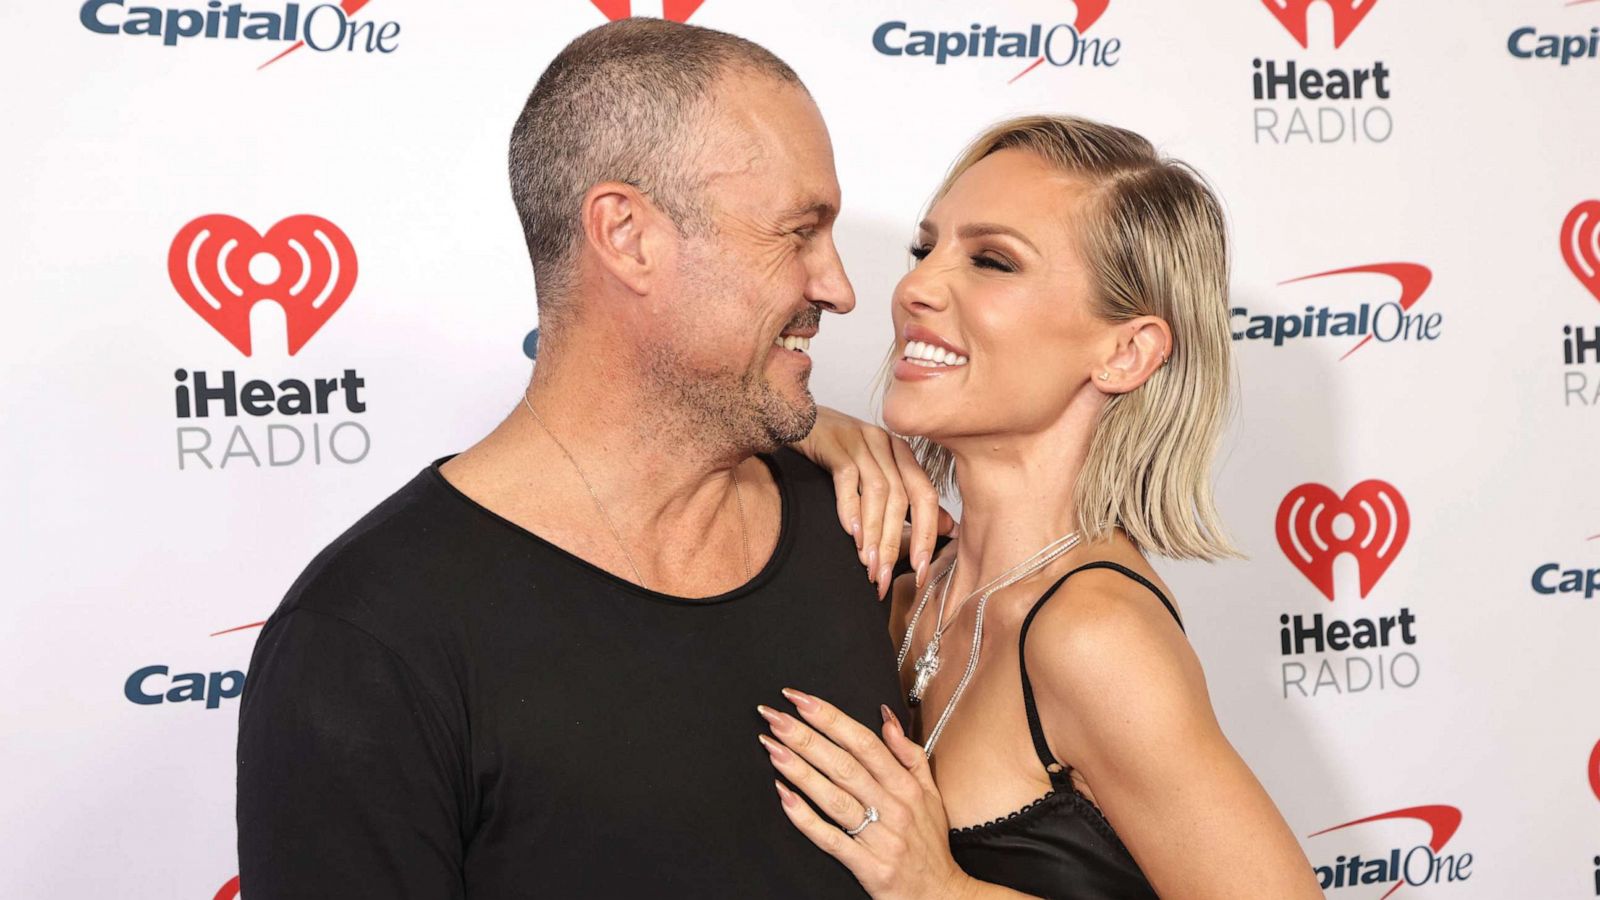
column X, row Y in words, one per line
column 993, row 262
column 919, row 252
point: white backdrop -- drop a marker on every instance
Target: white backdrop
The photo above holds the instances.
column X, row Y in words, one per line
column 1453, row 183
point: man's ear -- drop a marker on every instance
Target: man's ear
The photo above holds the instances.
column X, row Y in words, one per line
column 620, row 229
column 1141, row 346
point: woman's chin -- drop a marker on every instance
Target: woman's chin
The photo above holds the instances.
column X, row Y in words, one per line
column 901, row 415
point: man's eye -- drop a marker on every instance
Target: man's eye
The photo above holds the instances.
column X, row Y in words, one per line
column 919, row 252
column 806, row 233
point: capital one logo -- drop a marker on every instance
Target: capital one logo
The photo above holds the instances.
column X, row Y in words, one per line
column 1062, row 44
column 324, row 27
column 1292, row 15
column 1420, row 864
column 1580, row 244
column 1315, row 526
column 1390, row 322
column 222, row 267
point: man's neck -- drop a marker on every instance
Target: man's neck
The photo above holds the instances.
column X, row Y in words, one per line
column 669, row 494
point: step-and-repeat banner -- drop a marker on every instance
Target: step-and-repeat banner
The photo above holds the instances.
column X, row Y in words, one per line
column 1408, row 659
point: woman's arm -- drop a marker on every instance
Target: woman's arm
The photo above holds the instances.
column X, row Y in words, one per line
column 1123, row 700
column 876, row 479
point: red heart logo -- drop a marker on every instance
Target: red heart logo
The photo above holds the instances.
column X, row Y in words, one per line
column 1580, row 244
column 671, row 10
column 1305, row 530
column 1347, row 14
column 209, row 264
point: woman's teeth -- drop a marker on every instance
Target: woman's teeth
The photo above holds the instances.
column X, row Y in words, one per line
column 928, row 355
column 792, row 343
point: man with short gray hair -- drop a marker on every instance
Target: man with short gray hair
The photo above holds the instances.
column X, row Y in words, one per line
column 534, row 670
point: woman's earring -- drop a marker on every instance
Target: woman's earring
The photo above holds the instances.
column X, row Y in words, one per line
column 1105, row 376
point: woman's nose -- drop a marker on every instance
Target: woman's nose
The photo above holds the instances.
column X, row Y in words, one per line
column 922, row 289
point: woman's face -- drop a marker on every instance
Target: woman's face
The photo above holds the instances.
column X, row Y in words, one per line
column 999, row 295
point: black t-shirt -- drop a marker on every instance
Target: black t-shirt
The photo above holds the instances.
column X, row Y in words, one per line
column 447, row 706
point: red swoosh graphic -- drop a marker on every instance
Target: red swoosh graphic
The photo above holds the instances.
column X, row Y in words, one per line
column 1414, row 280
column 1089, row 12
column 1442, row 820
column 349, row 7
column 239, row 628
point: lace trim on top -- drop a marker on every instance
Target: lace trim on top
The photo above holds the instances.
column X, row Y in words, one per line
column 969, row 829
column 1086, row 810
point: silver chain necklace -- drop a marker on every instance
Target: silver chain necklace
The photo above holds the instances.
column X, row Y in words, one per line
column 738, row 496
column 927, row 665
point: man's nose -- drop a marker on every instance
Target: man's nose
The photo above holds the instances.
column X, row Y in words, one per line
column 829, row 287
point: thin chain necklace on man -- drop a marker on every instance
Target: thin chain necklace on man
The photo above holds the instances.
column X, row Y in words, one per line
column 927, row 665
column 738, row 496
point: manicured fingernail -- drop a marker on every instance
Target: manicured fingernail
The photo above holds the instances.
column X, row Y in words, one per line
column 770, row 714
column 785, row 795
column 805, row 702
column 855, row 530
column 885, row 576
column 888, row 715
column 777, row 751
column 922, row 568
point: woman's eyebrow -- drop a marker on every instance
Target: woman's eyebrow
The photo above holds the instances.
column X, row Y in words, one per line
column 983, row 229
column 978, row 229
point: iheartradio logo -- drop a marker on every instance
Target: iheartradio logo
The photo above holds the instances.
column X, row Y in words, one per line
column 222, row 267
column 1580, row 244
column 1292, row 15
column 1594, row 770
column 1370, row 522
column 671, row 10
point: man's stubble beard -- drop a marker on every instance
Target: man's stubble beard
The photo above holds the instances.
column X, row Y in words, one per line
column 718, row 408
column 726, row 411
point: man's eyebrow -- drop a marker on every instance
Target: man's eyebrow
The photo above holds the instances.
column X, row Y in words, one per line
column 821, row 209
column 979, row 229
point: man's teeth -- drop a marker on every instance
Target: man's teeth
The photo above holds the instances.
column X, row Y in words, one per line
column 792, row 343
column 928, row 355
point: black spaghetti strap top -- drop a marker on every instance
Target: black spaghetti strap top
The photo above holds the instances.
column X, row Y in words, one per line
column 1059, row 845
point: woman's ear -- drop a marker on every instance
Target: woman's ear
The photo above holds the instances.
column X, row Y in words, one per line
column 1142, row 346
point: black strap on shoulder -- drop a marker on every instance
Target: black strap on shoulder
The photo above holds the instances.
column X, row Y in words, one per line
column 1057, row 771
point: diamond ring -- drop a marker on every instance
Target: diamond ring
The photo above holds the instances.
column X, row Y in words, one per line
column 872, row 816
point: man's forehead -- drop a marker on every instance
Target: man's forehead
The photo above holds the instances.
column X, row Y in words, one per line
column 770, row 130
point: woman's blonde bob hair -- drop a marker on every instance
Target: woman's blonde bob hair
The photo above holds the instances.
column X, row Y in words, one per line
column 1153, row 237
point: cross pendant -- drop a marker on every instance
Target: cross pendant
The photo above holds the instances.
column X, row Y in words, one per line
column 927, row 665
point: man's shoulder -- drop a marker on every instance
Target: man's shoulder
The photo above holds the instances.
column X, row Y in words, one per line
column 385, row 558
column 806, row 479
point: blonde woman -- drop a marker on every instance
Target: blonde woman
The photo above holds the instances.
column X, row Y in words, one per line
column 1062, row 358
